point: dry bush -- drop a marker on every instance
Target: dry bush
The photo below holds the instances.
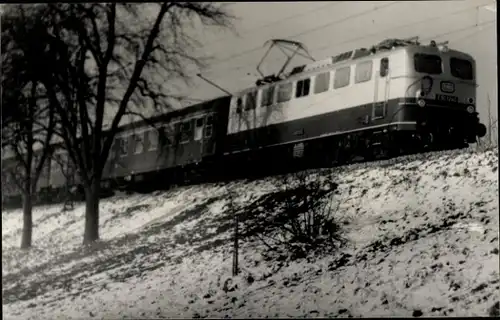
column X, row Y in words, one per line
column 297, row 220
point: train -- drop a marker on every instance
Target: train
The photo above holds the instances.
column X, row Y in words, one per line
column 397, row 97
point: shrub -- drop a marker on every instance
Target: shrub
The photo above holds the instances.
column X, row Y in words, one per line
column 296, row 220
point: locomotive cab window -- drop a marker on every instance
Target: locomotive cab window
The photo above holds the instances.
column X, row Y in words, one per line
column 384, row 67
column 251, row 100
column 302, row 88
column 461, row 69
column 428, row 63
column 363, row 71
column 342, row 77
column 267, row 97
column 322, row 82
column 285, row 92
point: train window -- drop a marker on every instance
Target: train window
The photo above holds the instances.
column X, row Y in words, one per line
column 302, row 88
column 186, row 131
column 428, row 63
column 239, row 105
column 185, row 126
column 363, row 71
column 138, row 143
column 267, row 96
column 153, row 139
column 384, row 67
column 199, row 122
column 285, row 92
column 198, row 131
column 322, row 82
column 123, row 146
column 251, row 100
column 210, row 120
column 342, row 77
column 461, row 69
column 165, row 135
column 209, row 127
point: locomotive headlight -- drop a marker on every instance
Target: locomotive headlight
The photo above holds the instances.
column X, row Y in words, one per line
column 471, row 109
column 421, row 103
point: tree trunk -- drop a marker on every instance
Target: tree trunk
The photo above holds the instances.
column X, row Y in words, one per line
column 27, row 220
column 91, row 233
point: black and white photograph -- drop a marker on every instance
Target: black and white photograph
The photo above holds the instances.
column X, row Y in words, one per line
column 288, row 159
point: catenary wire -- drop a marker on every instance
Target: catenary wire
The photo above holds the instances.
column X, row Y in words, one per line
column 225, row 70
column 275, row 22
column 243, row 53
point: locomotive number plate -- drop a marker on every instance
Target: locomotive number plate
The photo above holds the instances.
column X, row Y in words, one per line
column 443, row 97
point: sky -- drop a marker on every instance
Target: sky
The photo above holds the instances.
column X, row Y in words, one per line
column 329, row 28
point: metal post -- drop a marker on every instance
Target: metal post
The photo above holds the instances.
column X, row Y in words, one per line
column 490, row 124
column 235, row 252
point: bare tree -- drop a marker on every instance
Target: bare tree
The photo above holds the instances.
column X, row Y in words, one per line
column 28, row 121
column 112, row 58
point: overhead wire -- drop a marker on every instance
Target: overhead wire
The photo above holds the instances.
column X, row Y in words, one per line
column 243, row 53
column 329, row 24
column 460, row 30
column 275, row 22
column 377, row 33
column 440, row 17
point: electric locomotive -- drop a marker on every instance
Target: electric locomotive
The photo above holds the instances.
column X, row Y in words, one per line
column 398, row 96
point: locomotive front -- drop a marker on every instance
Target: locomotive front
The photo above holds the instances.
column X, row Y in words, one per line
column 441, row 96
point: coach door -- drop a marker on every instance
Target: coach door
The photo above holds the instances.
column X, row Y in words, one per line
column 199, row 127
column 381, row 94
column 198, row 130
column 209, row 136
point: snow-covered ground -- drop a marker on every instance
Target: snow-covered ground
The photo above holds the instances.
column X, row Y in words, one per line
column 422, row 240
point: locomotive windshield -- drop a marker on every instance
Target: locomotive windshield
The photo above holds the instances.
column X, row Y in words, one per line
column 428, row 63
column 461, row 69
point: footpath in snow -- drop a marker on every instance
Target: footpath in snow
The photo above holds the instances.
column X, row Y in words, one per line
column 422, row 240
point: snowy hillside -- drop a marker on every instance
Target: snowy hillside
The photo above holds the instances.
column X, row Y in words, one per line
column 422, row 240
